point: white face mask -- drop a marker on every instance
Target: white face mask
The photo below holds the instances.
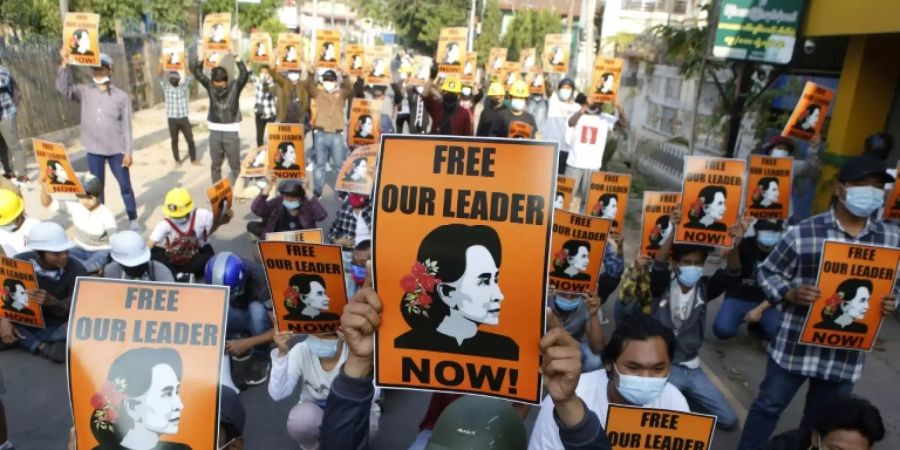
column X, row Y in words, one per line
column 565, row 94
column 420, row 89
column 517, row 104
column 101, row 80
column 779, row 153
column 293, row 76
column 466, row 91
column 329, row 85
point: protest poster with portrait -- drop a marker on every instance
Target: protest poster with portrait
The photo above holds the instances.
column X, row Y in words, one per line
column 511, row 73
column 556, row 53
column 892, row 202
column 55, row 169
column 519, row 130
column 256, row 163
column 378, row 65
column 711, row 193
column 451, row 50
column 260, row 48
column 18, row 278
column 221, row 198
column 310, row 236
column 365, row 122
column 289, row 54
column 809, row 115
column 578, row 246
column 81, row 38
column 536, row 82
column 527, row 59
column 564, row 191
column 145, row 353
column 307, row 285
column 470, row 69
column 452, row 215
column 172, row 54
column 853, row 279
column 285, row 150
column 636, row 427
column 656, row 220
column 606, row 79
column 328, row 49
column 357, row 174
column 769, row 187
column 608, row 198
column 355, row 60
column 421, row 71
column 496, row 60
column 217, row 32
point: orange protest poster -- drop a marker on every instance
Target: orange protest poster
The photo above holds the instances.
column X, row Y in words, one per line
column 378, row 65
column 290, row 52
column 496, row 60
column 285, row 150
column 556, row 53
column 634, row 427
column 578, row 246
column 365, row 122
column 357, row 174
column 172, row 53
column 656, row 220
column 809, row 115
column 511, row 72
column 355, row 60
column 307, row 285
column 55, row 168
column 18, row 278
column 535, row 81
column 260, row 48
column 608, row 198
column 605, row 82
column 769, row 187
column 520, row 130
column 311, row 236
column 564, row 187
column 81, row 38
column 711, row 194
column 451, row 50
column 452, row 215
column 142, row 354
column 217, row 32
column 256, row 163
column 221, row 197
column 469, row 69
column 328, row 49
column 892, row 202
column 527, row 59
column 421, row 71
column 853, row 279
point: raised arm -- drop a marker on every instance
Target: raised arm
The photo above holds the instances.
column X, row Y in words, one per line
column 244, row 73
column 63, row 81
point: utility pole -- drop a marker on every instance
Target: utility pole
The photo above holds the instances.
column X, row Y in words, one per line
column 586, row 50
column 63, row 9
column 470, row 42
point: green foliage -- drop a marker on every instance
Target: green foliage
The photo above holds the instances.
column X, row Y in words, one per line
column 273, row 25
column 32, row 18
column 251, row 15
column 169, row 12
column 109, row 11
column 528, row 29
column 490, row 30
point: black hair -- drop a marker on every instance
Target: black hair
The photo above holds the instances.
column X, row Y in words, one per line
column 681, row 250
column 605, row 198
column 849, row 412
column 663, row 223
column 708, row 193
column 607, row 75
column 769, row 224
column 283, row 147
column 303, row 282
column 218, row 74
column 356, row 163
column 847, row 291
column 571, row 248
column 363, row 245
column 637, row 327
column 10, row 285
column 879, row 145
column 765, row 181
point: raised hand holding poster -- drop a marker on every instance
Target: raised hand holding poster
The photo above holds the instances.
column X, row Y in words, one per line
column 634, row 427
column 769, row 187
column 285, row 150
column 260, row 48
column 452, row 216
column 578, row 246
column 809, row 115
column 81, row 38
column 18, row 278
column 451, row 50
column 221, row 197
column 365, row 122
column 656, row 220
column 328, row 49
column 55, row 168
column 606, row 79
column 556, row 53
column 608, row 197
column 711, row 195
column 357, row 174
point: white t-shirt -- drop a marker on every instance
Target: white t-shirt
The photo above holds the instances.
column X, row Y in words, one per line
column 592, row 389
column 300, row 364
column 588, row 140
column 163, row 234
column 96, row 225
column 363, row 233
column 14, row 243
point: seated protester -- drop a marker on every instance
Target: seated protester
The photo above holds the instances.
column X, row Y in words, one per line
column 843, row 422
column 347, row 230
column 345, row 421
column 183, row 235
column 248, row 331
column 578, row 315
column 49, row 253
column 314, row 363
column 746, row 302
column 362, row 253
column 131, row 260
column 93, row 223
column 637, row 361
column 232, row 418
column 680, row 294
column 291, row 210
column 14, row 223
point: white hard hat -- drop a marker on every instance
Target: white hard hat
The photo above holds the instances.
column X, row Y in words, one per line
column 48, row 237
column 128, row 249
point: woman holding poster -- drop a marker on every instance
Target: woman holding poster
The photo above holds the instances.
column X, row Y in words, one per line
column 709, row 209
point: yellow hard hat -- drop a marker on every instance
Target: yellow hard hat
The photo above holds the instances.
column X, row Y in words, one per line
column 11, row 206
column 496, row 89
column 451, row 84
column 178, row 203
column 406, row 68
column 518, row 89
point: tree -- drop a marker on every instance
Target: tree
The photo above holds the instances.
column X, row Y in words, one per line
column 169, row 12
column 528, row 29
column 109, row 11
column 250, row 15
column 490, row 30
column 30, row 19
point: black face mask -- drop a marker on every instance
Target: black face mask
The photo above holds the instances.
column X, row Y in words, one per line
column 136, row 271
column 450, row 99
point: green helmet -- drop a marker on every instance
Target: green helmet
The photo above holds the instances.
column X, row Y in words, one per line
column 478, row 423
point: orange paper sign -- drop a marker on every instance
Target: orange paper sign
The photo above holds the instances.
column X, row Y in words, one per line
column 357, row 175
column 853, row 279
column 528, row 59
column 809, row 115
column 421, row 71
column 365, row 122
column 378, row 65
column 556, row 53
column 451, row 50
column 711, row 196
column 172, row 53
column 632, row 427
column 496, row 60
column 606, row 79
column 656, row 220
column 255, row 164
column 260, row 48
column 221, row 198
column 608, row 197
column 769, row 187
column 81, row 37
column 564, row 187
column 217, row 32
column 355, row 60
column 579, row 243
column 53, row 163
column 290, row 52
column 285, row 150
column 311, row 236
column 18, row 278
column 469, row 68
column 328, row 49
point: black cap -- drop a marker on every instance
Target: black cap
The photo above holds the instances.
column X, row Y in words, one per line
column 329, row 75
column 291, row 187
column 567, row 81
column 881, row 143
column 863, row 166
column 231, row 411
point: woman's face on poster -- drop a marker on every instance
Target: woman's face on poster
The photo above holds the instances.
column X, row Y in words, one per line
column 580, row 260
column 771, row 193
column 558, row 56
column 159, row 409
column 365, row 128
column 360, row 170
column 316, row 297
column 84, row 42
column 260, row 49
column 218, row 33
column 357, row 62
column 611, row 208
column 59, row 173
column 19, row 297
column 608, row 82
column 716, row 209
column 290, row 156
column 857, row 306
column 260, row 159
column 328, row 54
column 477, row 293
column 665, row 232
column 558, row 203
column 812, row 119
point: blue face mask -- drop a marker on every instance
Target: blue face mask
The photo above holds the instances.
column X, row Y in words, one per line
column 640, row 391
column 358, row 273
column 689, row 275
column 323, row 348
column 291, row 205
column 566, row 304
column 862, row 201
column 767, row 238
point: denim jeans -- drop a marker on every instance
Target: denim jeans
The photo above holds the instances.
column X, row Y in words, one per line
column 703, row 396
column 93, row 261
column 254, row 320
column 775, row 393
column 620, row 310
column 590, row 361
column 96, row 165
column 732, row 313
column 325, row 144
column 33, row 337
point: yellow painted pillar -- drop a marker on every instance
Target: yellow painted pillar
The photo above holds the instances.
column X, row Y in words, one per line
column 865, row 92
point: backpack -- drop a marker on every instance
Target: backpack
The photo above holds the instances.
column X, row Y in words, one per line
column 185, row 246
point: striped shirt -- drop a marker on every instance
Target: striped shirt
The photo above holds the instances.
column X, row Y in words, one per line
column 176, row 97
column 8, row 94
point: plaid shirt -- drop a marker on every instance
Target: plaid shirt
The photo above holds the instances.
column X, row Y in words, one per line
column 795, row 261
column 265, row 98
column 460, row 122
column 8, row 94
column 176, row 97
column 344, row 224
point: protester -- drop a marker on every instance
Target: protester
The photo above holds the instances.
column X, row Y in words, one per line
column 48, row 250
column 493, row 106
column 560, row 107
column 14, row 223
column 224, row 116
column 347, row 230
column 105, row 127
column 469, row 96
column 131, row 260
column 447, row 116
column 264, row 108
column 419, row 119
column 401, row 98
column 328, row 137
column 537, row 102
column 587, row 143
column 293, row 98
column 176, row 91
column 788, row 277
column 578, row 314
column 843, row 422
column 291, row 210
column 10, row 95
column 503, row 125
column 92, row 221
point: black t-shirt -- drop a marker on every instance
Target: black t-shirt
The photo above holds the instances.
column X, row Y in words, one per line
column 484, row 344
column 502, row 123
column 486, row 121
column 751, row 257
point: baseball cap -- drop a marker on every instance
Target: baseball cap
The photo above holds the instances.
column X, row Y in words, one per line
column 105, row 60
column 329, row 75
column 863, row 166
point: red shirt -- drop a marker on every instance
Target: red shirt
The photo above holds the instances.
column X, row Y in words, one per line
column 460, row 123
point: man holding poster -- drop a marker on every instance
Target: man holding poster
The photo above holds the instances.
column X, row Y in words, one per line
column 789, row 278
